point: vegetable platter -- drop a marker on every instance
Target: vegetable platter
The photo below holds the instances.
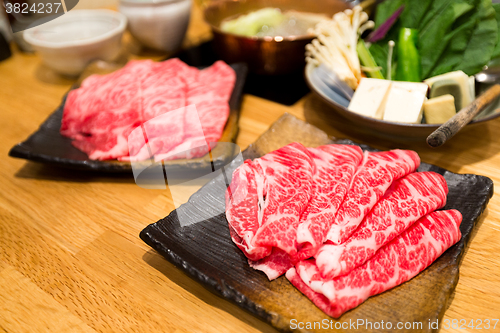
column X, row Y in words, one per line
column 410, row 69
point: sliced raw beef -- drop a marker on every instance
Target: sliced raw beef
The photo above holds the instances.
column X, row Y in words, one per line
column 398, row 261
column 274, row 265
column 406, row 201
column 164, row 88
column 99, row 94
column 243, row 202
column 210, row 93
column 335, row 167
column 149, row 139
column 372, row 179
column 266, row 198
column 213, row 82
column 101, row 114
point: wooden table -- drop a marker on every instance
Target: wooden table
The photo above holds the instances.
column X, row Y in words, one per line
column 70, row 256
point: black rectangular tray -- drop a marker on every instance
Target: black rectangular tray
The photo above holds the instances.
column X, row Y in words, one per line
column 205, row 251
column 47, row 145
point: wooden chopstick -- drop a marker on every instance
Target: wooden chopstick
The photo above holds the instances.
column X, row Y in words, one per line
column 462, row 118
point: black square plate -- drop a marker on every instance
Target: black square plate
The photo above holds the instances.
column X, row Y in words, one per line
column 205, row 251
column 47, row 145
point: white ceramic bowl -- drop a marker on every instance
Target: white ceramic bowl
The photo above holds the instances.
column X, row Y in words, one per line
column 68, row 43
column 158, row 24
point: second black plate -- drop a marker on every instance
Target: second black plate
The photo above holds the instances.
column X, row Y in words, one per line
column 47, row 145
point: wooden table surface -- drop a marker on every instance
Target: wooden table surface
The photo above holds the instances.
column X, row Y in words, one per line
column 70, row 256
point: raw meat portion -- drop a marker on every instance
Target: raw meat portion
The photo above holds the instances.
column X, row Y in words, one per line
column 274, row 265
column 266, row 198
column 373, row 178
column 101, row 114
column 210, row 92
column 406, row 201
column 102, row 93
column 163, row 88
column 216, row 81
column 105, row 110
column 150, row 140
column 398, row 261
column 335, row 167
column 243, row 210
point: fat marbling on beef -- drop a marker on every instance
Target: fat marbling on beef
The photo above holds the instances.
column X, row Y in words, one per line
column 335, row 167
column 102, row 114
column 406, row 201
column 376, row 173
column 280, row 207
column 266, row 198
column 398, row 261
column 210, row 93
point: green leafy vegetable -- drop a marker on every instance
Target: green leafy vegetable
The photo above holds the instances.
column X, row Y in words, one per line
column 414, row 14
column 434, row 11
column 496, row 51
column 386, row 9
column 408, row 58
column 457, row 42
column 482, row 42
column 453, row 34
column 432, row 35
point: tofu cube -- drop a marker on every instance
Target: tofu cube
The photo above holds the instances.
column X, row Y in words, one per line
column 405, row 102
column 370, row 97
column 440, row 109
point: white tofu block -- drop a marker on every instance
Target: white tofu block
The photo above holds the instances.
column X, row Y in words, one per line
column 370, row 97
column 440, row 109
column 405, row 102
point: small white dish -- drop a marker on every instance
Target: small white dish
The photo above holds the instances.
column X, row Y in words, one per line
column 158, row 24
column 70, row 42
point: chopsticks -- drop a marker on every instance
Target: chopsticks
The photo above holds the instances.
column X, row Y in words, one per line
column 462, row 118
